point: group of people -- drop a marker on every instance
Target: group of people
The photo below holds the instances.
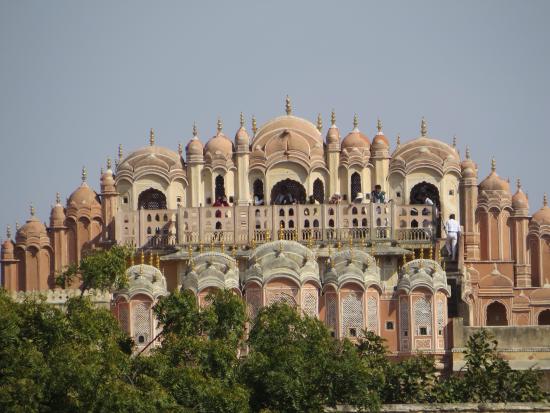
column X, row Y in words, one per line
column 377, row 196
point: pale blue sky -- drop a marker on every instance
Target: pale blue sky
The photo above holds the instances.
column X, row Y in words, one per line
column 78, row 78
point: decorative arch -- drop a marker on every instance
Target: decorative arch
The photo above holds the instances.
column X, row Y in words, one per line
column 544, row 318
column 355, row 182
column 287, row 191
column 319, row 191
column 258, row 190
column 152, row 199
column 496, row 314
column 219, row 190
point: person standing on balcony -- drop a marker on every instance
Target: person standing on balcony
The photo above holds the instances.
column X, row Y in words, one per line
column 377, row 195
column 452, row 228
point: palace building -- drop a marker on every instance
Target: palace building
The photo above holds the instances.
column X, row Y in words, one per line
column 287, row 212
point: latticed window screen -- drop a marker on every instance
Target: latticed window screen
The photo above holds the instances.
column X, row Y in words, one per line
column 142, row 323
column 123, row 317
column 309, row 303
column 318, row 191
column 404, row 317
column 423, row 315
column 152, row 199
column 372, row 314
column 331, row 311
column 440, row 316
column 355, row 185
column 286, row 296
column 254, row 301
column 352, row 313
column 220, row 187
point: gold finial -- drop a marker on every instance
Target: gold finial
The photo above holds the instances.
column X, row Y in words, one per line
column 17, row 226
column 220, row 125
column 142, row 257
column 242, row 120
column 151, row 137
column 234, row 251
column 192, row 264
column 372, row 249
column 195, row 133
column 223, row 245
column 253, row 243
column 363, row 240
column 58, row 198
column 379, row 125
column 295, row 235
column 545, row 200
column 254, row 125
column 430, row 253
column 84, row 174
column 8, row 232
column 288, row 105
column 157, row 261
column 267, row 235
column 120, row 152
column 109, row 164
column 398, row 141
column 319, row 122
column 518, row 184
column 180, row 149
column 132, row 259
column 281, row 232
column 310, row 240
column 423, row 127
column 333, row 117
column 355, row 121
column 444, row 265
column 140, row 271
column 33, row 211
column 467, row 152
column 421, row 253
column 339, row 245
column 150, row 257
column 404, row 259
column 454, row 141
column 212, row 243
column 200, row 248
column 493, row 165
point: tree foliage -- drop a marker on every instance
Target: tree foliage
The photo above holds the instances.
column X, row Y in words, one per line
column 78, row 359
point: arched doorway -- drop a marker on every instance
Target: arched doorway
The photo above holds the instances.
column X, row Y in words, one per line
column 258, row 190
column 288, row 191
column 219, row 191
column 151, row 199
column 318, row 191
column 424, row 190
column 544, row 318
column 496, row 314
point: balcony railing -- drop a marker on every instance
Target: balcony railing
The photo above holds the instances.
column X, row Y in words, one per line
column 240, row 225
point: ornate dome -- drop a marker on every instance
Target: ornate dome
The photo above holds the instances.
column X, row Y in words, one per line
column 57, row 216
column 542, row 216
column 7, row 245
column 219, row 145
column 212, row 269
column 83, row 196
column 519, row 200
column 380, row 142
column 493, row 182
column 32, row 230
column 355, row 139
column 241, row 138
column 469, row 167
column 107, row 180
column 144, row 279
column 194, row 147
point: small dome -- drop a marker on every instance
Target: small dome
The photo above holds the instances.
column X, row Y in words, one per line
column 519, row 200
column 7, row 246
column 542, row 216
column 380, row 141
column 83, row 196
column 219, row 144
column 57, row 216
column 468, row 167
column 493, row 182
column 144, row 279
column 107, row 179
column 242, row 138
column 355, row 139
column 33, row 228
column 194, row 147
column 333, row 135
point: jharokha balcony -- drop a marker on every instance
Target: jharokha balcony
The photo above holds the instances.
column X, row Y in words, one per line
column 386, row 223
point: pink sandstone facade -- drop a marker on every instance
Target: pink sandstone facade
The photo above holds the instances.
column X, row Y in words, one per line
column 282, row 216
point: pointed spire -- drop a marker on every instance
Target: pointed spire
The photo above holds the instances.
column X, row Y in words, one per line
column 398, row 141
column 8, row 232
column 84, row 174
column 242, row 120
column 195, row 133
column 254, row 125
column 319, row 122
column 288, row 105
column 545, row 200
column 109, row 163
column 101, row 171
column 355, row 121
column 467, row 152
column 17, row 226
column 454, row 141
column 180, row 149
column 151, row 137
column 220, row 125
column 423, row 127
column 518, row 184
column 58, row 198
column 379, row 126
column 33, row 211
column 333, row 118
column 493, row 165
column 120, row 153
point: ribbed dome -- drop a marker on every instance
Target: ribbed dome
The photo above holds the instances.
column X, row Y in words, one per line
column 519, row 200
column 194, row 147
column 355, row 139
column 219, row 145
column 57, row 214
column 288, row 122
column 380, row 141
column 7, row 246
column 83, row 196
column 164, row 158
column 333, row 135
column 242, row 138
column 33, row 228
column 542, row 216
column 494, row 182
column 468, row 167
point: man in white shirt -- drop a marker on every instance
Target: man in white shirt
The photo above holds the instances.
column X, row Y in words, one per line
column 452, row 228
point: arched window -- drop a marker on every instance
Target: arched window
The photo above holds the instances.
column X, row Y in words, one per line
column 496, row 314
column 355, row 185
column 355, row 222
column 306, row 223
column 281, row 212
column 364, row 222
column 152, row 199
column 331, row 223
column 331, row 211
column 218, row 225
column 282, row 224
column 315, row 223
column 220, row 187
column 149, row 219
column 318, row 191
column 544, row 318
column 258, row 189
column 423, row 317
column 354, row 211
column 290, row 212
column 291, row 224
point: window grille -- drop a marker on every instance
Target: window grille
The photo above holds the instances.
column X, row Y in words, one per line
column 423, row 315
column 331, row 316
column 254, row 300
column 123, row 317
column 310, row 305
column 152, row 199
column 440, row 316
column 142, row 322
column 318, row 191
column 372, row 314
column 355, row 185
column 220, row 187
column 352, row 313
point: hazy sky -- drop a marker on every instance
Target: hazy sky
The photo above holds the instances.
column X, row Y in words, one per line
column 78, row 78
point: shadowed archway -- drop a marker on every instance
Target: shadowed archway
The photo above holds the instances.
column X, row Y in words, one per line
column 288, row 191
column 152, row 199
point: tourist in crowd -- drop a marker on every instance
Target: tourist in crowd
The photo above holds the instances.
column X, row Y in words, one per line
column 452, row 228
column 377, row 195
column 359, row 198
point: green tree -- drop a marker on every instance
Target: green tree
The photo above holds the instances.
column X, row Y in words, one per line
column 98, row 269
